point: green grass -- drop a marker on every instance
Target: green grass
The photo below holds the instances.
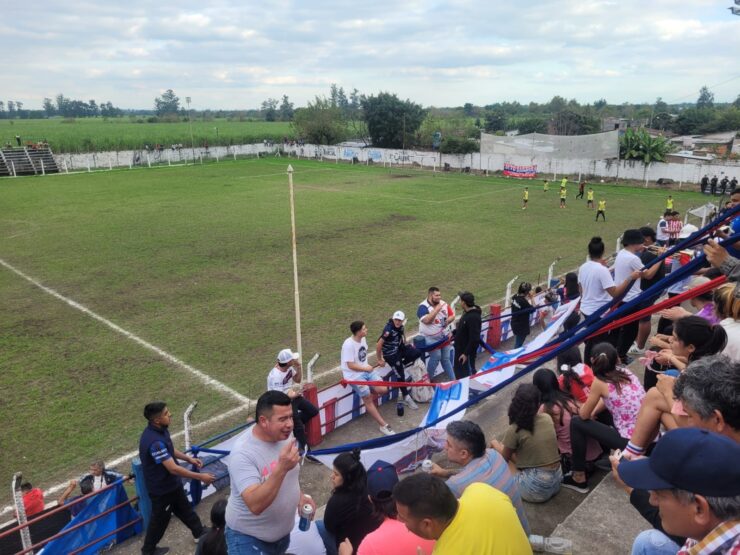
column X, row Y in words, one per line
column 106, row 134
column 197, row 261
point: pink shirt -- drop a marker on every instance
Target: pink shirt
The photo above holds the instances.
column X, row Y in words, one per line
column 625, row 404
column 393, row 537
column 562, row 433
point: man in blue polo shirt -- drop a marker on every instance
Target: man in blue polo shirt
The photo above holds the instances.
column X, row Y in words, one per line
column 393, row 350
column 163, row 477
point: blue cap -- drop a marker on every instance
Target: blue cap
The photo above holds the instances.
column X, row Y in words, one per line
column 381, row 477
column 690, row 459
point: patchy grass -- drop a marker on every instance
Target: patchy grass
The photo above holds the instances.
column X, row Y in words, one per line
column 197, row 261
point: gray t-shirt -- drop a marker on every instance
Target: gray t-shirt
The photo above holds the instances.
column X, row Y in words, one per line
column 251, row 462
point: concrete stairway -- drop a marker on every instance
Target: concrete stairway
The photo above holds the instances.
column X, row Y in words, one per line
column 27, row 161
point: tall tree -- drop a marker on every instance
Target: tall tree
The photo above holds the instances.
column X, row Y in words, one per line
column 49, row 107
column 570, row 122
column 334, row 94
column 495, row 121
column 706, row 98
column 269, row 109
column 286, row 109
column 391, row 122
column 320, row 122
column 168, row 103
column 736, row 104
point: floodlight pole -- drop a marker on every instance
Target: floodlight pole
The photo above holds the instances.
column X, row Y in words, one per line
column 295, row 268
column 190, row 124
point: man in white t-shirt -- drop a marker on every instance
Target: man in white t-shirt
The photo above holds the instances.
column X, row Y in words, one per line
column 286, row 376
column 355, row 367
column 661, row 234
column 627, row 262
column 597, row 289
column 434, row 316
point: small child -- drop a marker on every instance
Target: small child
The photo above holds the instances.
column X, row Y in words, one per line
column 601, row 210
column 525, row 198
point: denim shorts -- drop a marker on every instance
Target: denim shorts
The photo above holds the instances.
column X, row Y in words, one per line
column 364, row 390
column 537, row 485
column 242, row 544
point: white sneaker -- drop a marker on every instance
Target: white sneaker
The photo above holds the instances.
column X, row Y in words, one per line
column 635, row 350
column 386, row 430
column 409, row 402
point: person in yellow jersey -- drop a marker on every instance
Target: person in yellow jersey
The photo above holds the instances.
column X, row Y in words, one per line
column 601, row 210
column 525, row 198
column 563, row 196
column 590, row 198
column 545, row 185
column 482, row 522
column 564, row 183
column 669, row 203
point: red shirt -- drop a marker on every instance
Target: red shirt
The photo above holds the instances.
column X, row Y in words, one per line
column 33, row 501
column 579, row 392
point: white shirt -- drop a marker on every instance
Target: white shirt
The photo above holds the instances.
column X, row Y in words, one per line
column 662, row 230
column 626, row 263
column 277, row 380
column 732, row 327
column 594, row 279
column 353, row 351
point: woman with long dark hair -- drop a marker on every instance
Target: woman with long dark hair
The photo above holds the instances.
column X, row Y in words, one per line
column 348, row 514
column 214, row 542
column 622, row 394
column 531, row 437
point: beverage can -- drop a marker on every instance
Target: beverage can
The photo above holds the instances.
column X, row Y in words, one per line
column 399, row 408
column 306, row 517
column 426, row 466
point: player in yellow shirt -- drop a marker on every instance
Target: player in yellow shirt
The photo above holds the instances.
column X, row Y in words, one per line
column 563, row 196
column 545, row 185
column 590, row 198
column 563, row 183
column 482, row 522
column 669, row 203
column 525, row 198
column 601, row 210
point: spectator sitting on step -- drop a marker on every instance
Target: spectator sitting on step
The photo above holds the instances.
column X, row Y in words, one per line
column 466, row 446
column 348, row 513
column 391, row 536
column 65, row 499
column 99, row 476
column 561, row 407
column 33, row 499
column 483, row 520
column 574, row 377
column 530, row 447
column 694, row 480
column 727, row 306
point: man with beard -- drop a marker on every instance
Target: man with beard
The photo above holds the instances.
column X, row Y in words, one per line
column 434, row 315
column 163, row 476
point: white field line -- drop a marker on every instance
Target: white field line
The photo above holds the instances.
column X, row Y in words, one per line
column 199, row 375
column 128, row 456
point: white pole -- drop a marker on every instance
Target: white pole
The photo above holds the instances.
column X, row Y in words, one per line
column 20, row 511
column 110, row 164
column 201, row 158
column 507, row 301
column 309, row 368
column 550, row 270
column 619, row 243
column 148, row 161
column 88, row 166
column 12, row 165
column 235, row 156
column 296, row 293
column 43, row 171
column 186, row 422
column 64, row 163
column 169, row 158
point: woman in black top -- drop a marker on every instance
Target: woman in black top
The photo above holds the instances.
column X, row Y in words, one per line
column 520, row 314
column 349, row 513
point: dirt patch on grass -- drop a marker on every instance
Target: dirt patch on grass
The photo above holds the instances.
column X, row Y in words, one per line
column 400, row 176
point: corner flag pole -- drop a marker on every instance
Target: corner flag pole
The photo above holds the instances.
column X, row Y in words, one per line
column 296, row 294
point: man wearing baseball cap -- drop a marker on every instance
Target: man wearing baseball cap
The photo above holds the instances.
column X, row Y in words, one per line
column 392, row 536
column 286, row 377
column 694, row 479
column 393, row 350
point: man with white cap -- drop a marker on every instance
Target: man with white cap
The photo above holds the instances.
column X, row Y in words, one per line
column 393, row 351
column 286, row 377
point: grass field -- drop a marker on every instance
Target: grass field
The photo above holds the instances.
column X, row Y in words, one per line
column 99, row 134
column 196, row 260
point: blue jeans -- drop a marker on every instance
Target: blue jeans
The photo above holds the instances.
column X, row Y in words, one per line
column 654, row 542
column 537, row 485
column 242, row 544
column 436, row 356
column 329, row 542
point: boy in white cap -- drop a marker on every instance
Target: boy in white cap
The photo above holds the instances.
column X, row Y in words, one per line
column 393, row 350
column 286, row 377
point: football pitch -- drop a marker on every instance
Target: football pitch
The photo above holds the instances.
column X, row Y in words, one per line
column 186, row 277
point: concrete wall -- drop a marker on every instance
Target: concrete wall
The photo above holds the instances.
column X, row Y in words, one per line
column 684, row 174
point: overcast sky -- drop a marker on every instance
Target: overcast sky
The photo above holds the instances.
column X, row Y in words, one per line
column 234, row 54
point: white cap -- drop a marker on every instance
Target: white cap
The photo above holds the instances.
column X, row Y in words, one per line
column 286, row 355
column 399, row 315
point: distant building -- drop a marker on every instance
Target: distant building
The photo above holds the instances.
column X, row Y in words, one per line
column 619, row 124
column 718, row 144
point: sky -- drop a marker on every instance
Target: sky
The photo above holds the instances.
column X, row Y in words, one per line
column 233, row 54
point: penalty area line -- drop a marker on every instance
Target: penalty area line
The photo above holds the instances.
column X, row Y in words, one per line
column 173, row 360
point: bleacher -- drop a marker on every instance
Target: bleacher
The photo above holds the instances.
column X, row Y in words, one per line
column 30, row 160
